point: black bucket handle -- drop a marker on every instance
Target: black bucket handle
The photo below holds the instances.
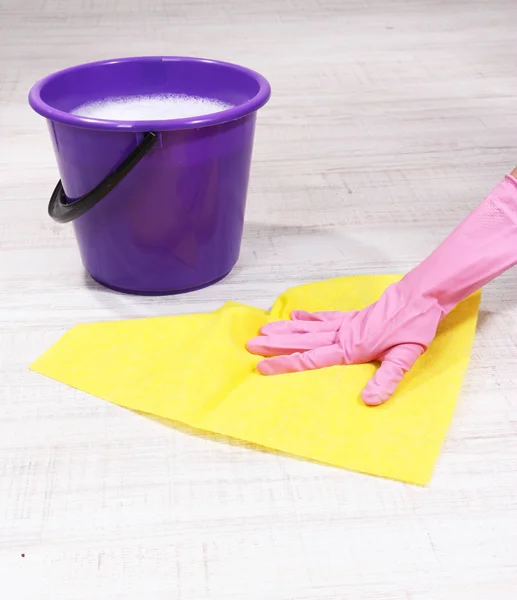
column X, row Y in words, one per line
column 63, row 211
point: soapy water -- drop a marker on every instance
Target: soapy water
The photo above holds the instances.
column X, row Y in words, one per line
column 150, row 108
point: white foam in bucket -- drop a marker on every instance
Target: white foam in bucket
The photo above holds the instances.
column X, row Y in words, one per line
column 150, row 108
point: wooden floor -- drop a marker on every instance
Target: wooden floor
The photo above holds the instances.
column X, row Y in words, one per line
column 389, row 122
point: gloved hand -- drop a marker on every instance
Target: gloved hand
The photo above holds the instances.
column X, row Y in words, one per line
column 399, row 327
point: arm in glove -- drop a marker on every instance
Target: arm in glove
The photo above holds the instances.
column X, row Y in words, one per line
column 399, row 327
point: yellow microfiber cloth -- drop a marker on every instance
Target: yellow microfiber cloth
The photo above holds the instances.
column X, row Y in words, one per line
column 195, row 369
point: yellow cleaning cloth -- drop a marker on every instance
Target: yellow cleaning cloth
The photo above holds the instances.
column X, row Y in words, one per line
column 195, row 369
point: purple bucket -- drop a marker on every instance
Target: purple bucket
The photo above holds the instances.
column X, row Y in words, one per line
column 158, row 206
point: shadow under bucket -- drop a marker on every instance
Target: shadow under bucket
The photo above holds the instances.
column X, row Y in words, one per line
column 158, row 206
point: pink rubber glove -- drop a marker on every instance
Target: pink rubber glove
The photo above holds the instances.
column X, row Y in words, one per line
column 399, row 327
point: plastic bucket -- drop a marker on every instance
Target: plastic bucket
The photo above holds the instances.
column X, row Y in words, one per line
column 157, row 206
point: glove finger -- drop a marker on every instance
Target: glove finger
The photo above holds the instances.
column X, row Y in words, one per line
column 329, row 315
column 297, row 327
column 395, row 364
column 328, row 356
column 275, row 345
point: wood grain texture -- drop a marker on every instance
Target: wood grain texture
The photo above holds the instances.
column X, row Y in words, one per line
column 389, row 121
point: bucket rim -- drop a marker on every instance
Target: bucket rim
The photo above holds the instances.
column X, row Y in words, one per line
column 231, row 114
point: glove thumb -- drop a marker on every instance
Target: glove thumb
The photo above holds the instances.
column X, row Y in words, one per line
column 395, row 364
